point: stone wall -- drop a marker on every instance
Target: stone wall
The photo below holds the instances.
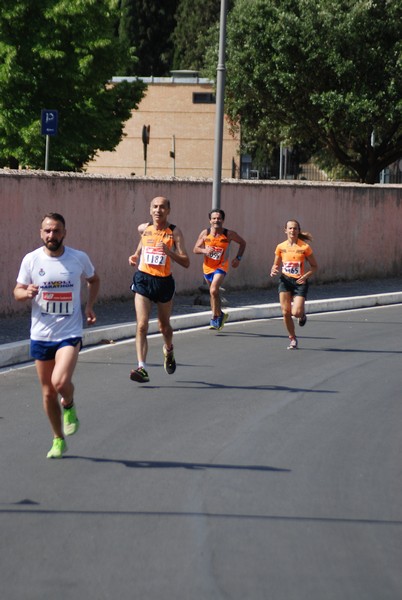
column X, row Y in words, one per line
column 356, row 228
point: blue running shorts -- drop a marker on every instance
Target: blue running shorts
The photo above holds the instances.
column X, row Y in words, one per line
column 209, row 276
column 47, row 350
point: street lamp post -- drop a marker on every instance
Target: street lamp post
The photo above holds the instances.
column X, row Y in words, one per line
column 220, row 96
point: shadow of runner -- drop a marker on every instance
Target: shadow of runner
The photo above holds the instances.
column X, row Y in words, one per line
column 157, row 464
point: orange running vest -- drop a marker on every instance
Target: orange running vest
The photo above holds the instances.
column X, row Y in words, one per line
column 219, row 259
column 153, row 260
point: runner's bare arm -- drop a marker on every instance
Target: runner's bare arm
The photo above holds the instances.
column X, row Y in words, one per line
column 179, row 255
column 275, row 266
column 313, row 268
column 25, row 292
column 133, row 259
column 93, row 284
column 141, row 228
column 199, row 247
column 235, row 237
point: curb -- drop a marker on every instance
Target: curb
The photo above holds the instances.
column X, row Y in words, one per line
column 18, row 352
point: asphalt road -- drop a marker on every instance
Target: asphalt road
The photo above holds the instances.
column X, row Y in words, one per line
column 251, row 473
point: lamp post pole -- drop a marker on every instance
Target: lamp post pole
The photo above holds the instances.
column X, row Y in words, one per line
column 220, row 96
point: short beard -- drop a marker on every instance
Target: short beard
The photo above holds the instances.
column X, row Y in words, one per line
column 54, row 245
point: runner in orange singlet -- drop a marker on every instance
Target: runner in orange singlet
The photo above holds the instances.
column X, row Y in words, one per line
column 160, row 244
column 214, row 243
column 293, row 284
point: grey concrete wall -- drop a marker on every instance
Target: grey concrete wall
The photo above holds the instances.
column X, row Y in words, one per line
column 356, row 228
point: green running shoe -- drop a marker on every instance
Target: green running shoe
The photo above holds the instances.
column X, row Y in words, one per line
column 71, row 423
column 169, row 361
column 139, row 375
column 58, row 449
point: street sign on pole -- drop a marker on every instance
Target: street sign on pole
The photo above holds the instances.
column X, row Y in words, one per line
column 49, row 121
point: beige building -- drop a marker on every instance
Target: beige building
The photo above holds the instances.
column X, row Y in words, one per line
column 180, row 113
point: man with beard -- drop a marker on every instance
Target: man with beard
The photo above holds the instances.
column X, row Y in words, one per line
column 50, row 277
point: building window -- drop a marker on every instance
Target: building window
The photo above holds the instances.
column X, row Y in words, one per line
column 203, row 98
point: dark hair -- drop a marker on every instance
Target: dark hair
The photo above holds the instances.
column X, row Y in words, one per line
column 55, row 217
column 218, row 210
column 303, row 235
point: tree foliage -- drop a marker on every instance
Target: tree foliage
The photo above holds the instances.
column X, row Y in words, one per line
column 146, row 27
column 191, row 36
column 60, row 54
column 324, row 73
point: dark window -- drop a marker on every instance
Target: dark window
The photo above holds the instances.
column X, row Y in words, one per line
column 203, row 98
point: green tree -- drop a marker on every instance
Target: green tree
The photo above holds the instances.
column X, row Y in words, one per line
column 146, row 26
column 191, row 36
column 324, row 73
column 61, row 54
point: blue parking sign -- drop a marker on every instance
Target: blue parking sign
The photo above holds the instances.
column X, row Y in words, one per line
column 49, row 121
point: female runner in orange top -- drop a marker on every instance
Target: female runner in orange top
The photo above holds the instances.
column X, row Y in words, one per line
column 293, row 284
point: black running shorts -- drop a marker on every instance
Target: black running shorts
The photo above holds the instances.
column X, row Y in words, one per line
column 288, row 284
column 157, row 289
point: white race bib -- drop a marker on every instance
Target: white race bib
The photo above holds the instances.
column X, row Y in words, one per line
column 154, row 256
column 216, row 253
column 56, row 303
column 291, row 268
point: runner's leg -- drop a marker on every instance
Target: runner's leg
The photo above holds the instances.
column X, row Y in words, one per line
column 65, row 363
column 164, row 313
column 51, row 406
column 285, row 299
column 214, row 292
column 143, row 307
column 298, row 307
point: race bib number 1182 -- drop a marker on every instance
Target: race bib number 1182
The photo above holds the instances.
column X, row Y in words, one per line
column 154, row 256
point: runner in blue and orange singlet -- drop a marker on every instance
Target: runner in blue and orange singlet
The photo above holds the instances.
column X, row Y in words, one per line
column 214, row 244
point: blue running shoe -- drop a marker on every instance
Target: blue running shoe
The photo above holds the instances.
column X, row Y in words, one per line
column 214, row 323
column 222, row 320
